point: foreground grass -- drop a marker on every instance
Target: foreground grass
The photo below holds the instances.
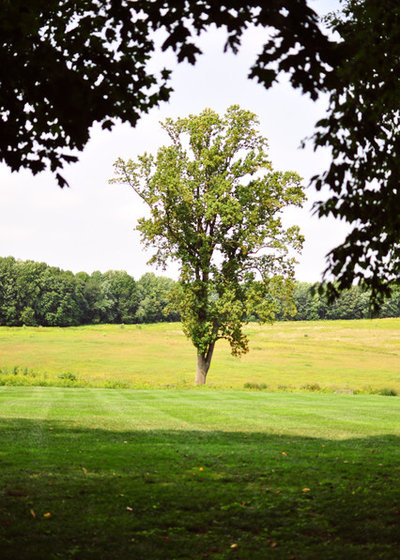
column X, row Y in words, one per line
column 330, row 355
column 97, row 474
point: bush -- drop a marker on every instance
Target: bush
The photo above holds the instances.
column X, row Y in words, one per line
column 257, row 386
column 68, row 376
column 116, row 384
column 311, row 387
column 388, row 392
column 283, row 387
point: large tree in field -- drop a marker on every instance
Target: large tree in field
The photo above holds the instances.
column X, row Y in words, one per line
column 215, row 207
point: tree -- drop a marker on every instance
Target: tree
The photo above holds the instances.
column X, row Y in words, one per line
column 362, row 130
column 65, row 65
column 351, row 304
column 124, row 295
column 100, row 299
column 9, row 314
column 215, row 207
column 391, row 307
column 309, row 306
column 154, row 295
column 62, row 302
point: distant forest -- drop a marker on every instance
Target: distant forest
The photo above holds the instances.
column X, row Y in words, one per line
column 33, row 293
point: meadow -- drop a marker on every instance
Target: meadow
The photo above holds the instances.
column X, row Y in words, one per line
column 106, row 474
column 358, row 356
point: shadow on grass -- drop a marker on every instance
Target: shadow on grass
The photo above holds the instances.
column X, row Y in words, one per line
column 73, row 492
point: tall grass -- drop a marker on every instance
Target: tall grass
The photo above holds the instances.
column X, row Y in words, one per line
column 352, row 356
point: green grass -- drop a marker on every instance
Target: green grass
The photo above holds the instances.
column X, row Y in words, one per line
column 191, row 474
column 327, row 355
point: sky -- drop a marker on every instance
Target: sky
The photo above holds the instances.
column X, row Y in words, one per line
column 91, row 225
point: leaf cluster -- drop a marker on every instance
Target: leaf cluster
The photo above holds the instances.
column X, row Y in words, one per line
column 215, row 207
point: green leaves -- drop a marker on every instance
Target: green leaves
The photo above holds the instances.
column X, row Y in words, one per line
column 66, row 65
column 215, row 207
column 362, row 131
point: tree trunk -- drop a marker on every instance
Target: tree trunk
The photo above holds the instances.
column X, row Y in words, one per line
column 203, row 365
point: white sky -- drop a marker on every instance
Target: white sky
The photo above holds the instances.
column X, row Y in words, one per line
column 90, row 226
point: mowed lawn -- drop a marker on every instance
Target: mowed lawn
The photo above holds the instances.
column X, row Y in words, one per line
column 359, row 355
column 153, row 474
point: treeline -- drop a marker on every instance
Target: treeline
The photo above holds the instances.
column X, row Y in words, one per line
column 351, row 304
column 33, row 293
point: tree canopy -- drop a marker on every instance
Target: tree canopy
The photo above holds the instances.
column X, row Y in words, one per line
column 216, row 207
column 362, row 130
column 65, row 65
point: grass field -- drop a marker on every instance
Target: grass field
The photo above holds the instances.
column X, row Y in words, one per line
column 97, row 474
column 333, row 355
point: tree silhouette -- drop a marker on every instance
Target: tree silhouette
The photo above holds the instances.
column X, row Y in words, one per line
column 65, row 65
